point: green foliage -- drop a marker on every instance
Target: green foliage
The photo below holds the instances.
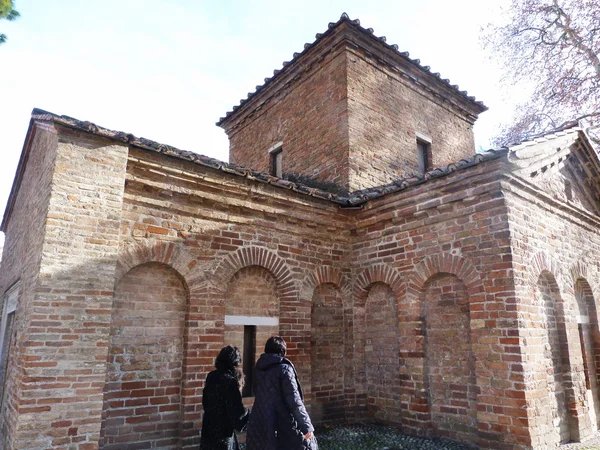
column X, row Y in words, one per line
column 8, row 12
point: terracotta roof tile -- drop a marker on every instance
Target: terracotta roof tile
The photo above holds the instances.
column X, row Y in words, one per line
column 354, row 199
column 382, row 39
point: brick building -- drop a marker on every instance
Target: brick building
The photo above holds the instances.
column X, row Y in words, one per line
column 417, row 284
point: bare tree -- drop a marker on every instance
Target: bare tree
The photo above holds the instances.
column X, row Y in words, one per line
column 555, row 46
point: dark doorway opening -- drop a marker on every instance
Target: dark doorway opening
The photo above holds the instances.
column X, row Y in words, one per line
column 248, row 359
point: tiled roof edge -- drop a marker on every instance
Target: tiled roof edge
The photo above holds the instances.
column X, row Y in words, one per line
column 354, row 199
column 205, row 161
column 359, row 197
column 572, row 127
column 381, row 39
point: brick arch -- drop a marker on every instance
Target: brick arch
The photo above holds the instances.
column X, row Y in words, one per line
column 172, row 254
column 323, row 275
column 255, row 256
column 445, row 263
column 542, row 262
column 175, row 256
column 379, row 273
column 579, row 270
column 582, row 271
column 289, row 312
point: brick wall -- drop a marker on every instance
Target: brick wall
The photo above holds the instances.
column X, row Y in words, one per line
column 243, row 249
column 230, row 241
column 385, row 114
column 348, row 114
column 381, row 355
column 556, row 252
column 450, row 367
column 65, row 338
column 553, row 344
column 309, row 118
column 21, row 263
column 589, row 338
column 382, row 291
column 448, row 250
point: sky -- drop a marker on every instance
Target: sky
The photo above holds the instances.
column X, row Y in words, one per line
column 167, row 70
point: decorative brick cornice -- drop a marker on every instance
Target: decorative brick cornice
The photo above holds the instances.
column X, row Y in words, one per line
column 360, row 197
column 256, row 256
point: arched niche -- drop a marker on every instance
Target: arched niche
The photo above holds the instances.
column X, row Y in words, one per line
column 327, row 354
column 450, row 377
column 381, row 354
column 142, row 396
column 251, row 315
column 589, row 338
column 552, row 353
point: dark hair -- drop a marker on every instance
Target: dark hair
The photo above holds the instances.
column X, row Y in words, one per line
column 229, row 360
column 276, row 345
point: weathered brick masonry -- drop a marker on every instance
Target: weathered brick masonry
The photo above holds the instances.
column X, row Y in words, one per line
column 457, row 303
column 345, row 111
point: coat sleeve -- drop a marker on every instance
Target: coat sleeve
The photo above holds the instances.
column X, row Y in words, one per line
column 238, row 413
column 293, row 401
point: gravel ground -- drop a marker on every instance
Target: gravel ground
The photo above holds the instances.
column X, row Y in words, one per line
column 588, row 444
column 377, row 437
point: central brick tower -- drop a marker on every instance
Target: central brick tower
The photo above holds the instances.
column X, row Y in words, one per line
column 350, row 112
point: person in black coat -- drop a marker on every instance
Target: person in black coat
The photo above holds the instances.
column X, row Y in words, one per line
column 279, row 420
column 222, row 402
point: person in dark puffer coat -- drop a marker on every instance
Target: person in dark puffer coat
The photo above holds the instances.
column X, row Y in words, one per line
column 279, row 420
column 222, row 402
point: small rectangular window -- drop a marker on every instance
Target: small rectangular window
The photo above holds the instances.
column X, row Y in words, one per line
column 276, row 160
column 424, row 155
column 6, row 330
column 4, row 351
column 248, row 359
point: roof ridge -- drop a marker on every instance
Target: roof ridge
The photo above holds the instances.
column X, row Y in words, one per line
column 344, row 18
column 568, row 128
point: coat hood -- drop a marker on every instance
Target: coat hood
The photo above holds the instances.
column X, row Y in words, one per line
column 268, row 360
